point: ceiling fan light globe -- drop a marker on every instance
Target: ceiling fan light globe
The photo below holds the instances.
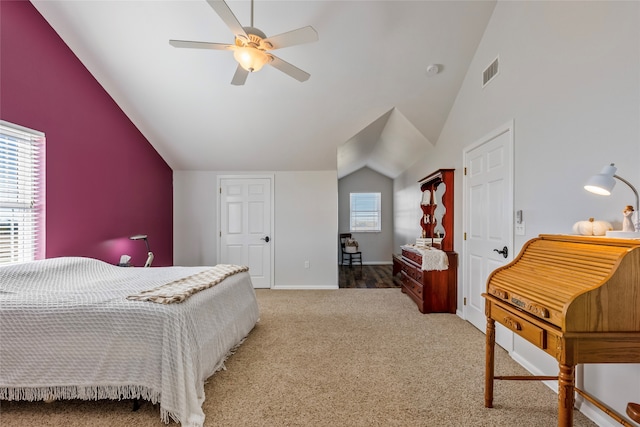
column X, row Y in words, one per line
column 251, row 59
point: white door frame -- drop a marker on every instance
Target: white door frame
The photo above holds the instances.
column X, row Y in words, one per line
column 507, row 127
column 271, row 178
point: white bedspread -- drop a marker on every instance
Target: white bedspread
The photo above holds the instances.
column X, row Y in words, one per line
column 67, row 331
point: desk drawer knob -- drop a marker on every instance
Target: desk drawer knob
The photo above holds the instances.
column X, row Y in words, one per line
column 499, row 293
column 512, row 323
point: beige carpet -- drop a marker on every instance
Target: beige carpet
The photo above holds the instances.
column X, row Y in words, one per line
column 347, row 357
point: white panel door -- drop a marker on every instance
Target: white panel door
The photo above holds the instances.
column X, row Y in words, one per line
column 245, row 226
column 488, row 187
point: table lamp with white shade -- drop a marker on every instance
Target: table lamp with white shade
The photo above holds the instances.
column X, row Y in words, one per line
column 602, row 184
column 146, row 242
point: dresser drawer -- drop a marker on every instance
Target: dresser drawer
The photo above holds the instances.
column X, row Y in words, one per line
column 413, row 272
column 413, row 256
column 411, row 285
column 519, row 325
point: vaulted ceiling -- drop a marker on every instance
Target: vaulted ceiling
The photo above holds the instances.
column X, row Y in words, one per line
column 369, row 102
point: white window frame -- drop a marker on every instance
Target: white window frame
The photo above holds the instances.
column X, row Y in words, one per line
column 21, row 194
column 355, row 212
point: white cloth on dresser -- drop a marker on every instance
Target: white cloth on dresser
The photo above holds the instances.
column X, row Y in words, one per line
column 432, row 258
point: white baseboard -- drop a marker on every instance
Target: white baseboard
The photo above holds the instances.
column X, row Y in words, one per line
column 302, row 288
column 372, row 263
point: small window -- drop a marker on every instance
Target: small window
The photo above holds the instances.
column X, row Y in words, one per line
column 21, row 194
column 365, row 212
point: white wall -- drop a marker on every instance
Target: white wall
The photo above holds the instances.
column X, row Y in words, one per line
column 306, row 229
column 306, row 225
column 195, row 218
column 376, row 247
column 570, row 80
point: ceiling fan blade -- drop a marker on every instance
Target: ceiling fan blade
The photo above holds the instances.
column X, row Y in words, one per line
column 291, row 38
column 201, row 45
column 223, row 10
column 292, row 70
column 240, row 76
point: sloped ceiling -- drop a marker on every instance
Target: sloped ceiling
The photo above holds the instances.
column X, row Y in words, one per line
column 388, row 146
column 369, row 101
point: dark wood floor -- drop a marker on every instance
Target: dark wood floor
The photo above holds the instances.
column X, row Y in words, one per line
column 367, row 276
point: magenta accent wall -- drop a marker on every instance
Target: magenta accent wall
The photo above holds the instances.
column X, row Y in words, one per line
column 104, row 180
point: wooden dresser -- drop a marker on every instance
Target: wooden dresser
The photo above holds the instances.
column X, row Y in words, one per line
column 434, row 291
column 577, row 298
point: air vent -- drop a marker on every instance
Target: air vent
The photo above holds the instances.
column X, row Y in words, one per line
column 490, row 72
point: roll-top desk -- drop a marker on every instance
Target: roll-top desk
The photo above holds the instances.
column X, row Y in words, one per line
column 433, row 291
column 576, row 298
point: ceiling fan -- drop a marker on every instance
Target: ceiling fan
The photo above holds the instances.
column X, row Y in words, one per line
column 252, row 46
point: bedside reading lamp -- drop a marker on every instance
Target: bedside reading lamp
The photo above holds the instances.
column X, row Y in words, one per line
column 604, row 182
column 146, row 242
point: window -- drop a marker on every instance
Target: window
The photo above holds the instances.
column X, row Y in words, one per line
column 21, row 194
column 365, row 212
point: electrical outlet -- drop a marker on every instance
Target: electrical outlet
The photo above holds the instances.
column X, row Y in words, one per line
column 520, row 230
column 306, row 264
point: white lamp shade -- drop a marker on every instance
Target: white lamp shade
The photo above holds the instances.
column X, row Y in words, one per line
column 603, row 182
column 250, row 58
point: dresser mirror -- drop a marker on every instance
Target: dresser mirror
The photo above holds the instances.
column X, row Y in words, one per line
column 437, row 209
column 440, row 210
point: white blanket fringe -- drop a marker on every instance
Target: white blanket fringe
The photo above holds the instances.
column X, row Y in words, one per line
column 78, row 392
column 32, row 394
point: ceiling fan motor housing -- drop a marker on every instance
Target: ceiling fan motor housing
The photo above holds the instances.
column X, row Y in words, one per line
column 256, row 39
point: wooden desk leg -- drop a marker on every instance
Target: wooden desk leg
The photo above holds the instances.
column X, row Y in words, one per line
column 489, row 363
column 566, row 395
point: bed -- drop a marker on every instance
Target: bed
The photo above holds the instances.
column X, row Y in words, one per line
column 71, row 328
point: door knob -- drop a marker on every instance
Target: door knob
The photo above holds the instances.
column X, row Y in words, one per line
column 504, row 251
column 266, row 239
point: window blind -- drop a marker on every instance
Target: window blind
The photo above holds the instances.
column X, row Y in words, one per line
column 365, row 212
column 21, row 193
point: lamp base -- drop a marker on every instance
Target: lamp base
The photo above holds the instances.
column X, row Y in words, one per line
column 624, row 234
column 149, row 259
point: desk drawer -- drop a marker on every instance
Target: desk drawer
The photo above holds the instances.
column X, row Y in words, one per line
column 519, row 325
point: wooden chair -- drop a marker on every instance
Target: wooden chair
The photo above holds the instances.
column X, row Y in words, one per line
column 351, row 256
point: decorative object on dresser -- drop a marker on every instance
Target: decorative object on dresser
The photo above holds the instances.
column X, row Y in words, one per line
column 429, row 268
column 574, row 297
